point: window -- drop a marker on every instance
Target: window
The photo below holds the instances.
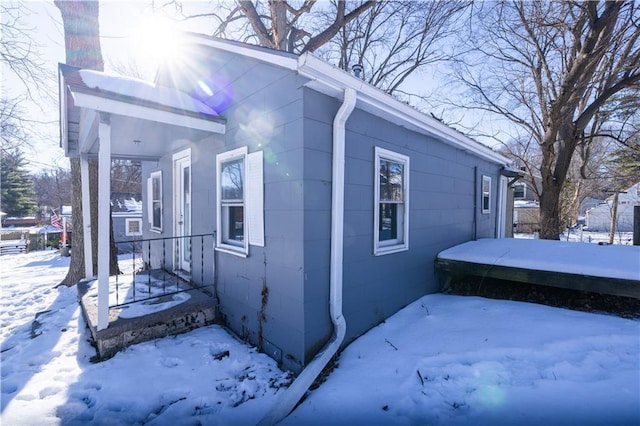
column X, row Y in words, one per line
column 486, row 194
column 231, row 200
column 391, row 209
column 519, row 191
column 154, row 196
column 133, row 227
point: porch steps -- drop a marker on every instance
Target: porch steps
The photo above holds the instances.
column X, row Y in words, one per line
column 198, row 311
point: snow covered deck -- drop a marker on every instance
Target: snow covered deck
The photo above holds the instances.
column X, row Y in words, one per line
column 605, row 269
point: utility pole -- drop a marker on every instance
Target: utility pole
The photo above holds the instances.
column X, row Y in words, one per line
column 614, row 217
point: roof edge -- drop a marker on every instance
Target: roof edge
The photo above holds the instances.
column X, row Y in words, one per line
column 334, row 78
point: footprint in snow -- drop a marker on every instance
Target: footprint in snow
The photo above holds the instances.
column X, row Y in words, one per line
column 49, row 391
column 8, row 388
column 170, row 362
column 93, row 385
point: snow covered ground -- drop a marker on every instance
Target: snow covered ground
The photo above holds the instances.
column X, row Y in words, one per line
column 442, row 360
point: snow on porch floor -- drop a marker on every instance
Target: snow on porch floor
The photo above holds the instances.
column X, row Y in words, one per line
column 164, row 312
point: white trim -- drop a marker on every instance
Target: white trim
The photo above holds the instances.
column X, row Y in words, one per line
column 255, row 199
column 104, row 216
column 86, row 217
column 178, row 159
column 113, row 106
column 241, row 250
column 152, row 176
column 255, row 52
column 87, row 131
column 62, row 106
column 502, row 206
column 149, row 200
column 484, row 179
column 524, row 190
column 127, row 223
column 400, row 244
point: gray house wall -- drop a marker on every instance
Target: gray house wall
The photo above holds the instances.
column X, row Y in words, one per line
column 265, row 115
column 444, row 184
column 272, row 112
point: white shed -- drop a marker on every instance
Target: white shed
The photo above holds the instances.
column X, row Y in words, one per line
column 599, row 217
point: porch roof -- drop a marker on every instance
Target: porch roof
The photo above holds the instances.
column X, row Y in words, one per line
column 146, row 120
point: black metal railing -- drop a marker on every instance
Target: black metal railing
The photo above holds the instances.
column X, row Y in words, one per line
column 152, row 268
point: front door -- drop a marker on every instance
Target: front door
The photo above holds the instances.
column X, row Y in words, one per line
column 182, row 213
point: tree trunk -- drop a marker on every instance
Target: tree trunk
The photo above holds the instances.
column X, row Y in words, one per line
column 550, row 213
column 76, row 266
column 82, row 45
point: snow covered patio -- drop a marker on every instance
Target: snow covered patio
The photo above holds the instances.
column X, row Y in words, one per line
column 604, row 269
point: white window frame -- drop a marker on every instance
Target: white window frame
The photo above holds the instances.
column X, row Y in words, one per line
column 485, row 190
column 152, row 201
column 127, row 224
column 402, row 242
column 524, row 190
column 221, row 244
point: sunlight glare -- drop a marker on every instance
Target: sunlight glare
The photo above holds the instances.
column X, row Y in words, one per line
column 155, row 41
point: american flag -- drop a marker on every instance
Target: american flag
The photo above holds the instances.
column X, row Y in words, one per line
column 55, row 219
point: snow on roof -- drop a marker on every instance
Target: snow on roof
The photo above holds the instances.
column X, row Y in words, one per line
column 526, row 204
column 613, row 261
column 143, row 90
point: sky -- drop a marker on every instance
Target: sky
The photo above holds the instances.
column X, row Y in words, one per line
column 442, row 360
column 123, row 26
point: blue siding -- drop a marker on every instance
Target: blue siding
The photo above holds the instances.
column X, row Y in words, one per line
column 272, row 111
column 441, row 213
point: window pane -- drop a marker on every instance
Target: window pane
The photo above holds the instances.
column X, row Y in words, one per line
column 391, row 181
column 157, row 215
column 233, row 218
column 232, row 180
column 156, row 188
column 388, row 226
column 485, row 203
column 518, row 191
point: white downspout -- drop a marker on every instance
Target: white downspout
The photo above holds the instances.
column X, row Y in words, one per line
column 299, row 387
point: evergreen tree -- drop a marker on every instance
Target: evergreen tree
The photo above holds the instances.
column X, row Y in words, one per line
column 18, row 196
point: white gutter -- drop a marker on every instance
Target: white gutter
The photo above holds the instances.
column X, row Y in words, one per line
column 299, row 387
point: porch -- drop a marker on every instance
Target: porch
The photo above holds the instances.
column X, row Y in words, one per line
column 145, row 302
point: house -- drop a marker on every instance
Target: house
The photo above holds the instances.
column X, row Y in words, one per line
column 599, row 217
column 326, row 200
column 126, row 214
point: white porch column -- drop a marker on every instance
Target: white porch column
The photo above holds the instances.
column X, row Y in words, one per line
column 86, row 216
column 104, row 211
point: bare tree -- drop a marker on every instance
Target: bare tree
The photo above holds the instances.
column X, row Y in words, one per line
column 53, row 188
column 12, row 134
column 550, row 68
column 18, row 50
column 394, row 39
column 82, row 46
column 278, row 24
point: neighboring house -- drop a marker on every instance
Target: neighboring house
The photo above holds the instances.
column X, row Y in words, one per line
column 526, row 208
column 526, row 216
column 126, row 212
column 599, row 217
column 326, row 195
